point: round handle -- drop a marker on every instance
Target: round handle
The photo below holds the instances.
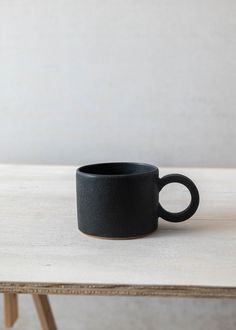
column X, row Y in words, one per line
column 191, row 209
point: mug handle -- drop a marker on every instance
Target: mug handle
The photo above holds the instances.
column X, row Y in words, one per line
column 190, row 210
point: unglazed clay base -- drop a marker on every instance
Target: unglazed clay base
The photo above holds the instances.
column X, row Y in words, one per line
column 117, row 238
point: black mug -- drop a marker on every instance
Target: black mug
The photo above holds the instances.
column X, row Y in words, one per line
column 121, row 200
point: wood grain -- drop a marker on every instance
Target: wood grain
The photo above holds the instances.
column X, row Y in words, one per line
column 44, row 312
column 10, row 309
column 42, row 251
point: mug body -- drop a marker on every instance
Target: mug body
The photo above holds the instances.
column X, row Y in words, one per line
column 117, row 200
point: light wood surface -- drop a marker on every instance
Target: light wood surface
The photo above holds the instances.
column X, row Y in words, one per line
column 44, row 312
column 10, row 309
column 42, row 251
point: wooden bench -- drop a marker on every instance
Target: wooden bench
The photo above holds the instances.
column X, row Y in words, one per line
column 42, row 251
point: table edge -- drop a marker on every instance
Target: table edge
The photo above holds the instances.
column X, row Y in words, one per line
column 194, row 291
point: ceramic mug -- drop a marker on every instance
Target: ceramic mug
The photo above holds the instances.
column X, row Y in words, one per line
column 121, row 200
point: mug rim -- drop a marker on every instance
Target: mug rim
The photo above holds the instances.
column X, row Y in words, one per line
column 149, row 169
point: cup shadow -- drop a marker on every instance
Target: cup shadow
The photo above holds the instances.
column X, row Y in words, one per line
column 167, row 229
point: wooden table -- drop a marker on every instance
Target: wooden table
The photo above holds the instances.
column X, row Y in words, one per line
column 42, row 252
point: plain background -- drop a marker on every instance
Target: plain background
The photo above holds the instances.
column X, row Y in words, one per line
column 98, row 80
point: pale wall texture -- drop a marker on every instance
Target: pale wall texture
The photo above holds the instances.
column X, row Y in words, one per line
column 118, row 313
column 97, row 80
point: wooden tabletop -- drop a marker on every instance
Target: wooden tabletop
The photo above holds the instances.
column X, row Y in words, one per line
column 42, row 251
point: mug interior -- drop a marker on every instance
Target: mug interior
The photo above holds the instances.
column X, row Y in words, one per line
column 117, row 168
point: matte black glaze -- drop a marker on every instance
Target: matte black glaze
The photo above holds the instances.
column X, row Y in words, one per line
column 121, row 200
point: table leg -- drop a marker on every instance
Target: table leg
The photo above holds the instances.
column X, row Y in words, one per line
column 10, row 309
column 44, row 312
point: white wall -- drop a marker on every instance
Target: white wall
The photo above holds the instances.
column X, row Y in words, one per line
column 96, row 80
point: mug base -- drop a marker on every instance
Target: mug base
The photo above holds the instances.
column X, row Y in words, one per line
column 117, row 238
